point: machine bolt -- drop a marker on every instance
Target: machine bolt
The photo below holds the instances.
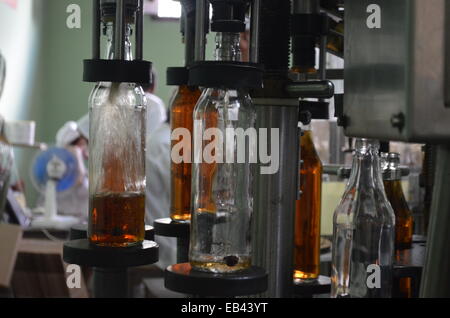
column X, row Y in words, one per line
column 305, row 117
column 398, row 121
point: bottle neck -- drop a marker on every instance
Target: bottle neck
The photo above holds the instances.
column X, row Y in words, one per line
column 186, row 89
column 366, row 170
column 110, row 54
column 228, row 47
column 303, row 127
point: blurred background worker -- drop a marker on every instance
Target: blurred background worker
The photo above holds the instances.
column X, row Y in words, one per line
column 156, row 110
column 157, row 164
column 158, row 188
column 157, row 204
column 74, row 137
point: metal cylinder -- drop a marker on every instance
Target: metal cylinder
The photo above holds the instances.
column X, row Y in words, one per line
column 273, row 220
column 274, row 36
column 120, row 31
column 139, row 30
column 200, row 31
column 254, row 38
column 189, row 30
column 323, row 57
column 96, row 21
column 305, row 6
column 436, row 272
column 110, row 282
column 311, row 89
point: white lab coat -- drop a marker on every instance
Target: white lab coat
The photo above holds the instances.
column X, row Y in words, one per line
column 156, row 112
column 158, row 189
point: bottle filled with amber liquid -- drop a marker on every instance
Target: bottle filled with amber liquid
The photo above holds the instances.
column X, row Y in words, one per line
column 308, row 210
column 117, row 154
column 403, row 217
column 182, row 110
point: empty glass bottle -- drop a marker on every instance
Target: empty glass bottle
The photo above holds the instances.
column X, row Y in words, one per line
column 222, row 198
column 363, row 230
column 117, row 157
column 307, row 215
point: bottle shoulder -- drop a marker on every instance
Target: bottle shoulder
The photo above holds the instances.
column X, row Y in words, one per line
column 124, row 94
column 186, row 99
column 308, row 152
column 213, row 99
column 364, row 205
column 394, row 193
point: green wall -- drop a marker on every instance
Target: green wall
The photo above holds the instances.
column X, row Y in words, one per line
column 44, row 60
column 63, row 96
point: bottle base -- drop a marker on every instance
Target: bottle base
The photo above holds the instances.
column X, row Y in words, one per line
column 219, row 267
column 115, row 243
column 182, row 218
column 304, row 277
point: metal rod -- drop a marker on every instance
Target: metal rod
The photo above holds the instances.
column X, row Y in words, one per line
column 311, row 89
column 189, row 31
column 275, row 195
column 337, row 143
column 96, row 30
column 323, row 58
column 139, row 30
column 305, row 6
column 436, row 272
column 254, row 39
column 200, row 16
column 447, row 55
column 119, row 34
column 110, row 282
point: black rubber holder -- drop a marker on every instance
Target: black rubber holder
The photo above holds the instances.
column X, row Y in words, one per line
column 223, row 74
column 117, row 71
column 318, row 110
column 322, row 285
column 168, row 227
column 79, row 231
column 82, row 252
column 177, row 76
column 181, row 278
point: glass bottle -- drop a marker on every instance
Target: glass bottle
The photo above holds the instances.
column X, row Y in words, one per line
column 363, row 231
column 182, row 111
column 222, row 197
column 308, row 210
column 335, row 41
column 403, row 217
column 117, row 158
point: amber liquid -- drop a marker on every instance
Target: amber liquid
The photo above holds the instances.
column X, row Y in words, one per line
column 117, row 219
column 403, row 230
column 307, row 216
column 304, row 69
column 403, row 215
column 182, row 117
column 336, row 43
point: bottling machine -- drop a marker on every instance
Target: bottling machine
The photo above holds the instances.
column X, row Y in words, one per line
column 397, row 88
